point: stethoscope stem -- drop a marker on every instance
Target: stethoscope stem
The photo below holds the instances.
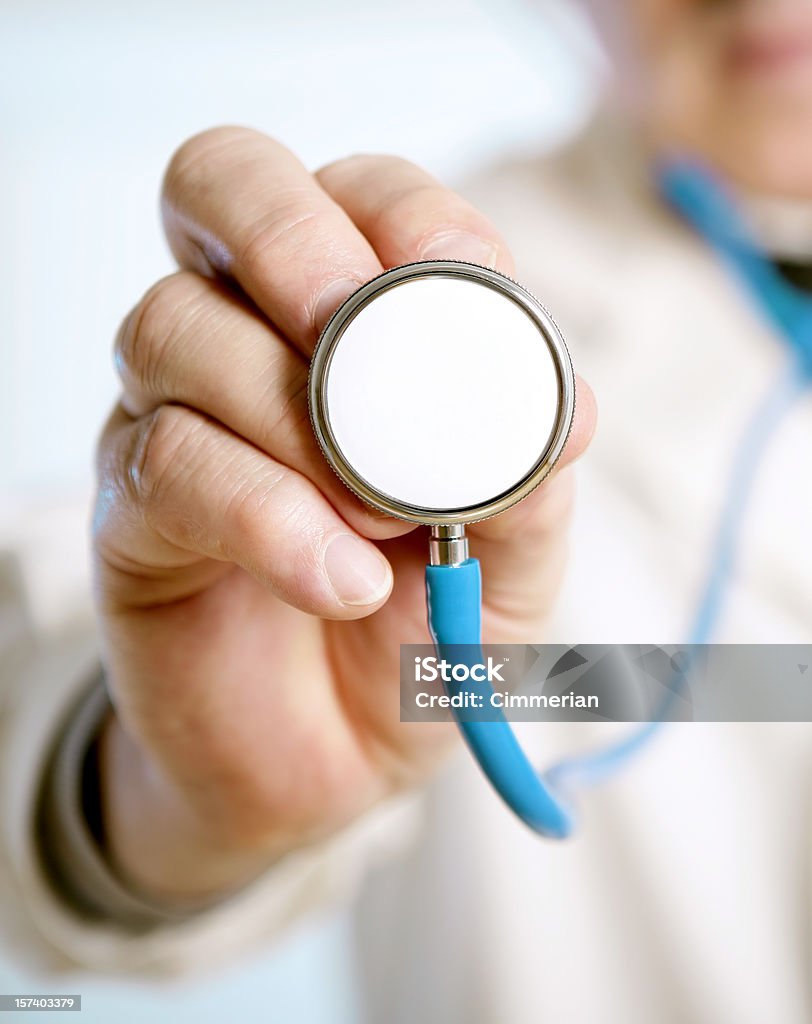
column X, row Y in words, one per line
column 448, row 545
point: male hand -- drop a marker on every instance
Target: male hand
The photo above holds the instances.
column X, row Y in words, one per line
column 252, row 608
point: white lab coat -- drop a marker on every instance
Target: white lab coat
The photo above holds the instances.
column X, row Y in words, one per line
column 685, row 896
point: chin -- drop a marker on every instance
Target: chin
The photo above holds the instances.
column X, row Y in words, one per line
column 755, row 128
column 767, row 151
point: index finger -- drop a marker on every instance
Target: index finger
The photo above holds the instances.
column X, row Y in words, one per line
column 238, row 203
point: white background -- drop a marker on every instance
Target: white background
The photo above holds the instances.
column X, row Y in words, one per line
column 95, row 96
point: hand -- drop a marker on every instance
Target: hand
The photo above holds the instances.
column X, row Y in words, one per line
column 252, row 608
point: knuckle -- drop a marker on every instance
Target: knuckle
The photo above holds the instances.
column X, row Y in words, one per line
column 428, row 209
column 271, row 499
column 251, row 507
column 288, row 226
column 158, row 458
column 110, row 496
column 283, row 410
column 150, row 329
column 273, row 517
column 404, row 201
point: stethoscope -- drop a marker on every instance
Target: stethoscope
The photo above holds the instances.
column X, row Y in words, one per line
column 442, row 393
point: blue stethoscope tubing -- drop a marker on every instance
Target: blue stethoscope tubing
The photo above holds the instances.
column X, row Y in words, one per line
column 454, row 593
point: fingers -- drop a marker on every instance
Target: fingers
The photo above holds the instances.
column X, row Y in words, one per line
column 191, row 341
column 178, row 489
column 408, row 215
column 523, row 551
column 235, row 202
column 238, row 203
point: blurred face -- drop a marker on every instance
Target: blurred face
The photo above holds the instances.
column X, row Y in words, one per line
column 729, row 80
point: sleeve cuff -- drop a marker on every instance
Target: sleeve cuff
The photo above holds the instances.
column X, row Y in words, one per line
column 69, row 828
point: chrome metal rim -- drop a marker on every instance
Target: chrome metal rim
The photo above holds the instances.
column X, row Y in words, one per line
column 320, row 369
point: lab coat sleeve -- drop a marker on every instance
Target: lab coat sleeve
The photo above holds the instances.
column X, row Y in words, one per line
column 48, row 693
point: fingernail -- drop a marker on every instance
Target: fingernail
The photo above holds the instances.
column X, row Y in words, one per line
column 357, row 574
column 461, row 245
column 329, row 299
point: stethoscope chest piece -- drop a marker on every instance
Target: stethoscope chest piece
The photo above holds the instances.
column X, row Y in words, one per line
column 441, row 392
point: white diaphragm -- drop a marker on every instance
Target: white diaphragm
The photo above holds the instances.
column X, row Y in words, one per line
column 441, row 392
